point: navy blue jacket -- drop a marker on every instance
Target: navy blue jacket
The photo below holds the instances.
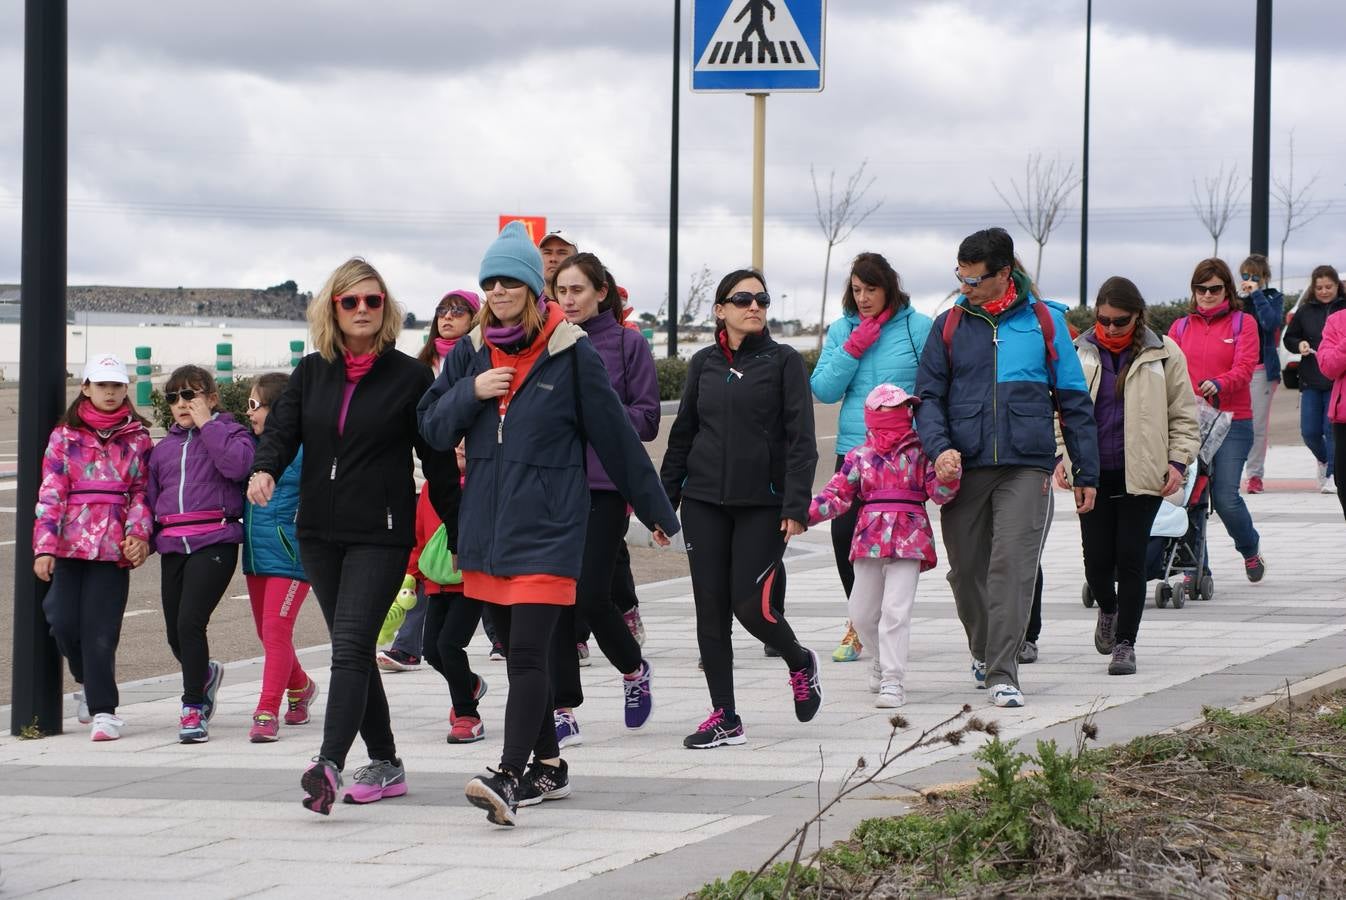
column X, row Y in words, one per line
column 525, row 506
column 995, row 406
column 270, row 546
column 1268, row 308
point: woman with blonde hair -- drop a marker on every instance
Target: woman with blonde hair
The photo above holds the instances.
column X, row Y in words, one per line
column 352, row 406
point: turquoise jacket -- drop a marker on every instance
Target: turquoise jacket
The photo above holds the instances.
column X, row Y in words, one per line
column 893, row 359
column 269, row 543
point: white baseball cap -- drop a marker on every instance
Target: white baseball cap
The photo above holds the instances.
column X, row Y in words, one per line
column 105, row 367
column 557, row 235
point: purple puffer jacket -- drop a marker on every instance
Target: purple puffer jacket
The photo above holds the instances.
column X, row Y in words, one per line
column 630, row 365
column 196, row 485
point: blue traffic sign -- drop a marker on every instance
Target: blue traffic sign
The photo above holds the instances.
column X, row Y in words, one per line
column 758, row 46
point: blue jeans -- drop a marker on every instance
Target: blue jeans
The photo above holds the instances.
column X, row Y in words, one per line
column 1226, row 469
column 1314, row 426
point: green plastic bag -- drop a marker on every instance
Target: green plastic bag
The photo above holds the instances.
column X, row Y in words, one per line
column 436, row 562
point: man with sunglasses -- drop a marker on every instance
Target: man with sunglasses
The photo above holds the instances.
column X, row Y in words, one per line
column 996, row 370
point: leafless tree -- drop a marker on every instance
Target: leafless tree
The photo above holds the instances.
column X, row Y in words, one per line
column 1294, row 204
column 1039, row 204
column 1216, row 201
column 698, row 292
column 838, row 217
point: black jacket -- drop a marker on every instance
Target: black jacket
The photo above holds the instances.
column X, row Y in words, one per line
column 744, row 431
column 526, row 497
column 358, row 487
column 1307, row 325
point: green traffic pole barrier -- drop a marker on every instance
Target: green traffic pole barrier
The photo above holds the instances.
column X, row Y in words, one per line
column 143, row 372
column 296, row 353
column 224, row 363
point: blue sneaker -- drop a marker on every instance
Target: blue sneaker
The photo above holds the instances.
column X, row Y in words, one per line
column 639, row 702
column 192, row 726
column 979, row 674
column 1006, row 695
column 214, row 678
column 567, row 729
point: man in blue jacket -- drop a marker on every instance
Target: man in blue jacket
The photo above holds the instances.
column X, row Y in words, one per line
column 995, row 371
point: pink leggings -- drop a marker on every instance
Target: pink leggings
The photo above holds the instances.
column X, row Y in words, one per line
column 275, row 605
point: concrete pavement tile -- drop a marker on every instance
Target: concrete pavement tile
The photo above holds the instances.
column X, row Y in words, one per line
column 296, row 877
column 121, row 846
column 498, row 856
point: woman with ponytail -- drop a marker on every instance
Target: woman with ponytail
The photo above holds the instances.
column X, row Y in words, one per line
column 1147, row 436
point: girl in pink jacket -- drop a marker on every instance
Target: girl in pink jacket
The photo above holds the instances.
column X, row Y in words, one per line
column 890, row 475
column 1331, row 355
column 93, row 526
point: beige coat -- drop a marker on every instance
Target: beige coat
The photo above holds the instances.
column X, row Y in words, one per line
column 1159, row 409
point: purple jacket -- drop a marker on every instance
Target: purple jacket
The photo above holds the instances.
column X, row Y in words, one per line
column 1109, row 411
column 196, row 485
column 630, row 365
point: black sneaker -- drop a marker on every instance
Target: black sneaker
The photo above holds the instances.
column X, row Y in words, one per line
column 543, row 782
column 1123, row 659
column 770, row 651
column 716, row 731
column 494, row 793
column 1105, row 632
column 807, row 690
column 1255, row 567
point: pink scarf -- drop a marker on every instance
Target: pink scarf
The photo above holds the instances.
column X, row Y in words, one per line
column 358, row 367
column 887, row 427
column 98, row 420
column 444, row 345
column 1213, row 312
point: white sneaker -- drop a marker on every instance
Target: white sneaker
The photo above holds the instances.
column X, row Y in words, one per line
column 891, row 696
column 875, row 677
column 979, row 673
column 1328, row 487
column 82, row 708
column 1006, row 695
column 106, row 727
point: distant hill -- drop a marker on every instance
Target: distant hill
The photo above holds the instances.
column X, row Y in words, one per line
column 282, row 301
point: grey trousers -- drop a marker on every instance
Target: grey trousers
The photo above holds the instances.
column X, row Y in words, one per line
column 993, row 532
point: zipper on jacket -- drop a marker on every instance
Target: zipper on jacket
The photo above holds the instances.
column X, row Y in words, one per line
column 332, row 477
column 389, row 510
column 182, row 483
column 500, row 430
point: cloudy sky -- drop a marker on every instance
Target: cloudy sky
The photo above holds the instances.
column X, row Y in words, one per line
column 247, row 143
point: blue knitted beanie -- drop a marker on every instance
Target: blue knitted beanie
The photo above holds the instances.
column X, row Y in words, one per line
column 513, row 255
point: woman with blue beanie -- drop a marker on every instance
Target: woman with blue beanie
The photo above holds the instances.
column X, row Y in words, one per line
column 527, row 391
column 877, row 340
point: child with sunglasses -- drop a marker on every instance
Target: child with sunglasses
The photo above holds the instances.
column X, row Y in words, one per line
column 277, row 585
column 887, row 479
column 197, row 474
column 92, row 527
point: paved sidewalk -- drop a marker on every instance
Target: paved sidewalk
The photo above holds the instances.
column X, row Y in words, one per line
column 647, row 818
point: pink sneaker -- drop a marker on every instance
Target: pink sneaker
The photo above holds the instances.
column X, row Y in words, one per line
column 379, row 780
column 297, row 714
column 265, row 728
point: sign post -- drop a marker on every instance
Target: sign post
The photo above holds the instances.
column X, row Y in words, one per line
column 758, row 47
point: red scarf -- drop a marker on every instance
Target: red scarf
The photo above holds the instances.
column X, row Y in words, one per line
column 358, row 367
column 887, row 427
column 1113, row 344
column 98, row 420
column 723, row 340
column 996, row 307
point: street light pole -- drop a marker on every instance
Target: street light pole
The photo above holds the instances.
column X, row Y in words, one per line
column 37, row 664
column 1084, row 179
column 1258, row 240
column 673, row 187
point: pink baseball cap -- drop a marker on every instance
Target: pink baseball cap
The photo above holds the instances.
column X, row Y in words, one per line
column 889, row 395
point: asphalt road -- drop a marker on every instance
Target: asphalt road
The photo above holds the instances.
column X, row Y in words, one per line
column 144, row 648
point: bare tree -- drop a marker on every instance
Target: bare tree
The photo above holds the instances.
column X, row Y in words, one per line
column 1295, row 205
column 1216, row 201
column 1038, row 205
column 837, row 218
column 698, row 292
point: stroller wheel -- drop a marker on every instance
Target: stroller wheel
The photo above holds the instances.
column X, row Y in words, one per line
column 1162, row 594
column 1205, row 588
column 1180, row 593
column 1087, row 596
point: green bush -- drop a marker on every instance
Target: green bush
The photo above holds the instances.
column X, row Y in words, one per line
column 672, row 373
column 233, row 400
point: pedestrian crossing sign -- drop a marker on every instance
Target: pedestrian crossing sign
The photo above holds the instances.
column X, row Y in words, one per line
column 758, row 46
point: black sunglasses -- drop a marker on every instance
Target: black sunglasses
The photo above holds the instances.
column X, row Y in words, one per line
column 453, row 309
column 351, row 301
column 186, row 394
column 1211, row 289
column 1117, row 322
column 1249, row 276
column 503, row 280
column 744, row 299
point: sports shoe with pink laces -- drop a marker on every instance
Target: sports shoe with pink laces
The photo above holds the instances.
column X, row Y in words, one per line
column 807, row 689
column 720, row 729
column 265, row 728
column 299, row 702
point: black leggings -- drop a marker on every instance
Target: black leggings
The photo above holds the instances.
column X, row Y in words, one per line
column 1035, row 615
column 355, row 584
column 84, row 608
column 1339, row 463
column 526, row 631
column 623, row 586
column 1116, row 535
column 192, row 586
column 593, row 601
column 735, row 557
column 843, row 533
column 450, row 621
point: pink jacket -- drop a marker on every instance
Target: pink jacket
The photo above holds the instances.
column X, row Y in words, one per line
column 1225, row 350
column 893, row 488
column 92, row 494
column 1332, row 363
